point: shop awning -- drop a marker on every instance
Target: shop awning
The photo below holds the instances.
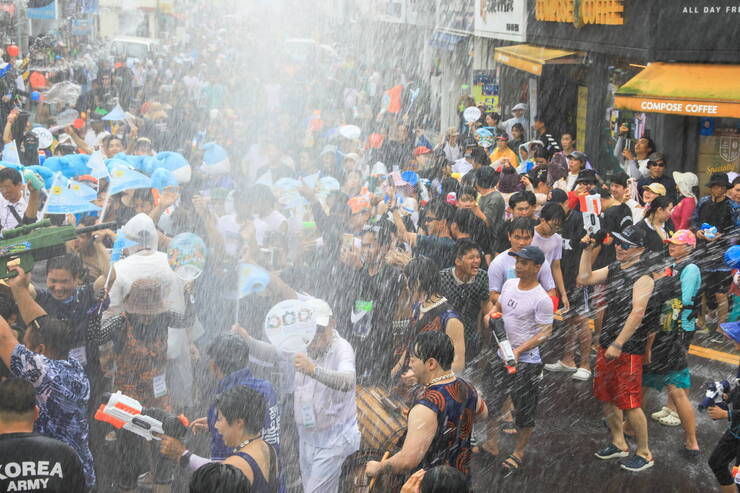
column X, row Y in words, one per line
column 691, row 89
column 445, row 40
column 531, row 58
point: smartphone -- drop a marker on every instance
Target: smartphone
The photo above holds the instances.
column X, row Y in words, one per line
column 348, row 241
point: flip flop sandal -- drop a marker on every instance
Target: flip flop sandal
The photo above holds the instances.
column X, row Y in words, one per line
column 510, row 466
column 690, row 454
column 509, row 428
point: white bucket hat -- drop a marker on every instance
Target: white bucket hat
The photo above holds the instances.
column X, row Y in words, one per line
column 685, row 182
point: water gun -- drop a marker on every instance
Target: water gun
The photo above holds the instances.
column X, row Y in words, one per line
column 38, row 241
column 125, row 412
column 496, row 326
column 591, row 208
column 713, row 396
column 710, row 232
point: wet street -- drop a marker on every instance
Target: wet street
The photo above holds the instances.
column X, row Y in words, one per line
column 569, row 429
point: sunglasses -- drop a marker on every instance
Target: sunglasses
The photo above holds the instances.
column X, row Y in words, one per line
column 623, row 245
column 660, row 165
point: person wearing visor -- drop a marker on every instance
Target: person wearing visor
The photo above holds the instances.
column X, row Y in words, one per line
column 622, row 341
column 324, row 408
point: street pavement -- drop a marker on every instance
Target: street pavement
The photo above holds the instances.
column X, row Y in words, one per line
column 569, row 429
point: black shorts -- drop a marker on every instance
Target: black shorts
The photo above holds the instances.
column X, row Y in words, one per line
column 523, row 387
column 715, row 282
column 582, row 302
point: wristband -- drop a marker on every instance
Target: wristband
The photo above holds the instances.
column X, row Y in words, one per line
column 185, row 458
column 616, row 345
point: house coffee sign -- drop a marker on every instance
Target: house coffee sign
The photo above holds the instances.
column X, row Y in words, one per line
column 581, row 12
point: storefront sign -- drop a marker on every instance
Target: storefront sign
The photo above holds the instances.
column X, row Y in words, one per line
column 455, row 16
column 501, row 19
column 581, row 12
column 42, row 9
column 677, row 107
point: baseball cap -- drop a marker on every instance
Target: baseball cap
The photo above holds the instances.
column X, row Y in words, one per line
column 655, row 157
column 586, row 176
column 732, row 330
column 322, row 312
column 530, row 252
column 519, row 106
column 718, row 178
column 581, row 156
column 421, row 150
column 631, row 236
column 682, row 237
column 656, row 188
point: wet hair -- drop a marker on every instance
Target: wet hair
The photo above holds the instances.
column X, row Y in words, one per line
column 383, row 231
column 8, row 308
column 52, row 333
column 470, row 191
column 464, row 245
column 110, row 138
column 486, row 177
column 229, row 352
column 434, row 344
column 524, row 196
column 422, row 272
column 217, row 477
column 144, row 194
column 69, row 262
column 521, row 224
column 660, row 202
column 493, row 115
column 479, row 155
column 260, row 193
column 552, row 211
column 735, row 181
column 444, row 479
column 11, row 174
column 441, row 209
column 559, row 196
column 517, row 126
column 245, row 403
column 571, row 133
column 467, row 222
column 450, row 184
column 650, row 142
column 17, row 399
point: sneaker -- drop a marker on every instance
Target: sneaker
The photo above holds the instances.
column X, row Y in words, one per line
column 660, row 414
column 670, row 419
column 636, row 463
column 581, row 374
column 611, row 452
column 560, row 366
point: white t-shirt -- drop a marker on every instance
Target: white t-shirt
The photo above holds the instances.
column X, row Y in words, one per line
column 462, row 166
column 523, row 312
column 502, row 269
column 552, row 247
column 334, row 411
column 263, row 226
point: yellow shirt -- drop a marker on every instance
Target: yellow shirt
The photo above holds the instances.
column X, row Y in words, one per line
column 504, row 153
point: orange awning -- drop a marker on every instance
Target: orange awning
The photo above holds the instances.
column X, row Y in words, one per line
column 531, row 58
column 691, row 89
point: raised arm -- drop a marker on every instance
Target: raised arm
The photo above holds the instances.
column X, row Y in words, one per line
column 587, row 276
column 19, row 286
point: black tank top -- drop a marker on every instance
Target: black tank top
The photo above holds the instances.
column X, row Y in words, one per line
column 619, row 284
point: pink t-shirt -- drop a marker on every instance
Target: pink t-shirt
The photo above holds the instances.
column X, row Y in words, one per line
column 681, row 214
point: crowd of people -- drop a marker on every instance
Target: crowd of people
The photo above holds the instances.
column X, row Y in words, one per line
column 431, row 274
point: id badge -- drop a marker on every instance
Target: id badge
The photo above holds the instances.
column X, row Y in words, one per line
column 80, row 354
column 160, row 386
column 309, row 418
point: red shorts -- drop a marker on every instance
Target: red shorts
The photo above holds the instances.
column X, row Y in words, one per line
column 618, row 381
